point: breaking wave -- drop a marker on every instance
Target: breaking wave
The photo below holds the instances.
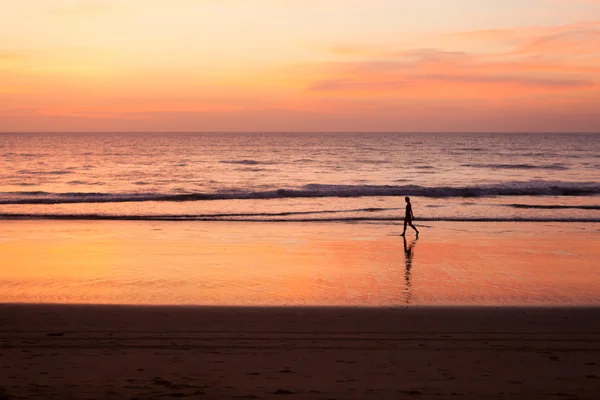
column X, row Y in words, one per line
column 533, row 188
column 274, row 217
column 554, row 207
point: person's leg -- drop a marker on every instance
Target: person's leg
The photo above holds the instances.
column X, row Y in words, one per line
column 412, row 226
column 405, row 223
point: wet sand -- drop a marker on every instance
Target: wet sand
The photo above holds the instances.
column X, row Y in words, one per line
column 124, row 352
column 292, row 264
column 547, row 347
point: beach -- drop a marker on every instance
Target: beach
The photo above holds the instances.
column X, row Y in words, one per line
column 299, row 264
column 103, row 352
column 147, row 266
column 210, row 200
column 122, row 309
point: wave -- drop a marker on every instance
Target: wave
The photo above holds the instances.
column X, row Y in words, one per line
column 87, row 183
column 276, row 217
column 216, row 215
column 553, row 207
column 556, row 167
column 28, row 172
column 471, row 149
column 250, row 169
column 532, row 188
column 247, row 162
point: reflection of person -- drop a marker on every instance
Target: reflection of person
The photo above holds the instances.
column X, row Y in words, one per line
column 409, row 216
column 408, row 253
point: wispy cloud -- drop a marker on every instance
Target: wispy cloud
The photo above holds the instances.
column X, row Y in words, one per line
column 524, row 78
column 563, row 58
column 410, row 81
column 573, row 40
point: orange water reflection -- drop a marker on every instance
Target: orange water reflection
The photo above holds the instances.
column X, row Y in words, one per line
column 297, row 264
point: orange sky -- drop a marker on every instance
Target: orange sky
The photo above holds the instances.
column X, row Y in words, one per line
column 300, row 65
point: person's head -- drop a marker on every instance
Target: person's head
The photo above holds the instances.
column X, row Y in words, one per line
column 407, row 199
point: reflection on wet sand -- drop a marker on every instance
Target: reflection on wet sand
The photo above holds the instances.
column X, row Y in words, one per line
column 408, row 254
column 266, row 264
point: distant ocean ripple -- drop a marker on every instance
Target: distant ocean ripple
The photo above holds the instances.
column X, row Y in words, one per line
column 287, row 176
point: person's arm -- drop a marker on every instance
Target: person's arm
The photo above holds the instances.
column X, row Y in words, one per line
column 411, row 214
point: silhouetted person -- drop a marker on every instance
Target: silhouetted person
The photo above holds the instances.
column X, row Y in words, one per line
column 408, row 253
column 408, row 217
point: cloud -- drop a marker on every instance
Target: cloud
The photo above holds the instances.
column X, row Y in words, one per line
column 533, row 78
column 546, row 59
column 508, row 79
column 416, row 79
column 405, row 117
column 584, row 40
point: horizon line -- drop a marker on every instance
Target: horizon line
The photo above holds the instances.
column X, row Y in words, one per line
column 309, row 132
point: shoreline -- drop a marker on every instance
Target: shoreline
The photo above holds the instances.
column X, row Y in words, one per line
column 185, row 218
column 299, row 264
column 477, row 351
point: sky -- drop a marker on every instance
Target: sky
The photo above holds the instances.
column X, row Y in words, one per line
column 300, row 65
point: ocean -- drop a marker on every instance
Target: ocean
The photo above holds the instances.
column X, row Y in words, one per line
column 360, row 177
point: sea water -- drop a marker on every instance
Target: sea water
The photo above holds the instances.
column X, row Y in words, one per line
column 299, row 219
column 300, row 176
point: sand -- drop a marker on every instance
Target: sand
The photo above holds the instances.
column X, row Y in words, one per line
column 308, row 264
column 125, row 352
column 471, row 311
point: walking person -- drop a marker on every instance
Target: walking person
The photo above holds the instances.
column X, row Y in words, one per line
column 408, row 217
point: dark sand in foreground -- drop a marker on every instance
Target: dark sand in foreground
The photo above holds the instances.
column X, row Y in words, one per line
column 114, row 352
